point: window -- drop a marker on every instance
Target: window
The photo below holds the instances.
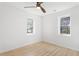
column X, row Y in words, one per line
column 29, row 25
column 64, row 25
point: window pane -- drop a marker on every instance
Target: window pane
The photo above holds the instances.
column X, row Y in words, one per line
column 65, row 21
column 29, row 26
column 65, row 29
column 64, row 25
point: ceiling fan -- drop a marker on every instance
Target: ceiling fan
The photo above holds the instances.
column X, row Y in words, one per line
column 38, row 5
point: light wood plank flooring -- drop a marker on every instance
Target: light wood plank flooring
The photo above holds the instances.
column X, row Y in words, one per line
column 41, row 49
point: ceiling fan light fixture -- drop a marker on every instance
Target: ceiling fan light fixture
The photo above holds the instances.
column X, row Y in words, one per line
column 38, row 7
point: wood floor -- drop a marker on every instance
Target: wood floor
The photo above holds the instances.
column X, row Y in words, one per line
column 41, row 49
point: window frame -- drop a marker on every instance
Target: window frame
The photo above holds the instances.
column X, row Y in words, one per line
column 32, row 26
column 59, row 26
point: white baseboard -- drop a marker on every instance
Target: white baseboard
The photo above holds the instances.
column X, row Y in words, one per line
column 58, row 44
column 21, row 46
column 52, row 42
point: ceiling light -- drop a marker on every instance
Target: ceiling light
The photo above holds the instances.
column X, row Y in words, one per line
column 38, row 7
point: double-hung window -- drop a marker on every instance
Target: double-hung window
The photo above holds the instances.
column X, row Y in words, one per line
column 64, row 25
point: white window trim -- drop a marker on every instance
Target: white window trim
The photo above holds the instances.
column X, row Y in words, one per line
column 59, row 18
column 33, row 27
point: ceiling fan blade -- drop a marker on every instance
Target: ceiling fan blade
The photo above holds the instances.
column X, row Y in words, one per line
column 30, row 7
column 43, row 10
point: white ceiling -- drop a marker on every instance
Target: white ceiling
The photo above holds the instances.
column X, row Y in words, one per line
column 50, row 7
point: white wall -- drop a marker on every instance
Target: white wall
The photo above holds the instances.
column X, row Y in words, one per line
column 13, row 28
column 50, row 29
